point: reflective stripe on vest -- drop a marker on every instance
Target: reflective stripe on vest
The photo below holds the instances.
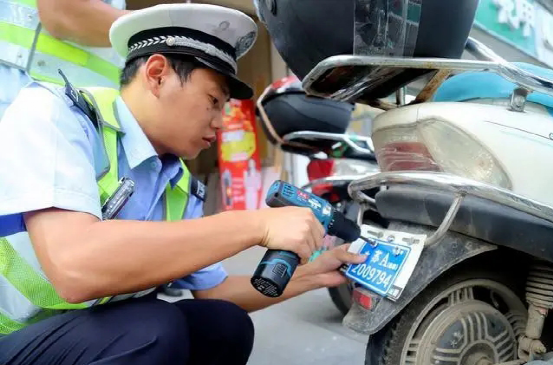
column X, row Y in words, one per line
column 26, row 45
column 8, row 325
column 32, row 285
column 35, row 287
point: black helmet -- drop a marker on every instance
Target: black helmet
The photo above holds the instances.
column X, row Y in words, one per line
column 305, row 32
column 285, row 108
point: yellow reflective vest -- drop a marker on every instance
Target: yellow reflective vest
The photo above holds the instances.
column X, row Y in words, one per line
column 26, row 45
column 26, row 280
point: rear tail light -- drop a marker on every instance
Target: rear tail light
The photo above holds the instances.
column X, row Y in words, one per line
column 435, row 145
column 406, row 156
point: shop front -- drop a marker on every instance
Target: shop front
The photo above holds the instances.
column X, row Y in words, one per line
column 518, row 30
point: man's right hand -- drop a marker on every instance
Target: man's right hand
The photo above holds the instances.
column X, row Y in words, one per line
column 291, row 229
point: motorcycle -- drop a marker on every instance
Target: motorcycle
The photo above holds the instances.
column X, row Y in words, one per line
column 336, row 159
column 463, row 271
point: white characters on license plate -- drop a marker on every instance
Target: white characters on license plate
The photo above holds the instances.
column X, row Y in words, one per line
column 390, row 262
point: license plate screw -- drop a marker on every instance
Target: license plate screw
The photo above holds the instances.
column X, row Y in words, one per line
column 376, row 234
column 409, row 240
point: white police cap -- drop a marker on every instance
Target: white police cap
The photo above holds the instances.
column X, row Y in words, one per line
column 216, row 36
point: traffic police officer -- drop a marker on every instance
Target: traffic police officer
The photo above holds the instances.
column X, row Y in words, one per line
column 76, row 288
column 71, row 35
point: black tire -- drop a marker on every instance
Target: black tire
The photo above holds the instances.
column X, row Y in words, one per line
column 386, row 346
column 341, row 297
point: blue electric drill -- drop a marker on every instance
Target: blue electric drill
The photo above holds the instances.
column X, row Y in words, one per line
column 277, row 267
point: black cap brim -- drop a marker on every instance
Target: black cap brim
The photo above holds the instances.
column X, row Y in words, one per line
column 238, row 89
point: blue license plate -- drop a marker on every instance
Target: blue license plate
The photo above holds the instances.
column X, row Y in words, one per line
column 384, row 262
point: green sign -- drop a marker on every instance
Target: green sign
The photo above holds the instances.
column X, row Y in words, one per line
column 512, row 21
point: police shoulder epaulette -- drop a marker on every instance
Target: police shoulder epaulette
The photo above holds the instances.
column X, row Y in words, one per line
column 80, row 102
column 197, row 188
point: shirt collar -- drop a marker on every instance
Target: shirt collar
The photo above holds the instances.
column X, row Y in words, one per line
column 138, row 148
column 135, row 143
column 174, row 168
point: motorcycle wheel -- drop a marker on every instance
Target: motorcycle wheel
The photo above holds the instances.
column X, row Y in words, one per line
column 341, row 297
column 468, row 317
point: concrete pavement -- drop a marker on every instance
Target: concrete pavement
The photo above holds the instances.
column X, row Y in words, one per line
column 306, row 330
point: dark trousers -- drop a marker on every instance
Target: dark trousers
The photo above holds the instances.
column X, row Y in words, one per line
column 143, row 331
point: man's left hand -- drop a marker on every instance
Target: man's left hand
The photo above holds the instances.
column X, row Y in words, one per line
column 322, row 272
column 324, row 269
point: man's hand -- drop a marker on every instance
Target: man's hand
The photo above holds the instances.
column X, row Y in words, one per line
column 291, row 229
column 324, row 270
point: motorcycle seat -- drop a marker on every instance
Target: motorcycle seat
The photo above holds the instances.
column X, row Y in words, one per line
column 489, row 85
column 478, row 218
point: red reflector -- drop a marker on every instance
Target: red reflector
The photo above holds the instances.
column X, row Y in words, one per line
column 363, row 300
column 321, row 189
column 318, row 169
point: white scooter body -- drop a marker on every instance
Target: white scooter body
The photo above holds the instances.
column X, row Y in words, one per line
column 466, row 189
column 521, row 142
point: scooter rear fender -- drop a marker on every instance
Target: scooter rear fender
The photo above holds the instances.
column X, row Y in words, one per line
column 435, row 259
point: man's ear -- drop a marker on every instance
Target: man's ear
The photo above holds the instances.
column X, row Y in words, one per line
column 156, row 70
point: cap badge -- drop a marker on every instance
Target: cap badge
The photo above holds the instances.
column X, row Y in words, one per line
column 170, row 41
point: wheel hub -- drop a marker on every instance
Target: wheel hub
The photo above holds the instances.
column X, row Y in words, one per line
column 467, row 333
column 479, row 356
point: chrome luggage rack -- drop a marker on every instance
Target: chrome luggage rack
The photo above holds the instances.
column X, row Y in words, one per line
column 457, row 185
column 335, row 180
column 349, row 140
column 336, row 77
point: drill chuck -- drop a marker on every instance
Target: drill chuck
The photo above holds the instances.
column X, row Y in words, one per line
column 343, row 228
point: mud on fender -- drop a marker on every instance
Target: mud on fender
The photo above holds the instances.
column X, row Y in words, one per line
column 436, row 259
